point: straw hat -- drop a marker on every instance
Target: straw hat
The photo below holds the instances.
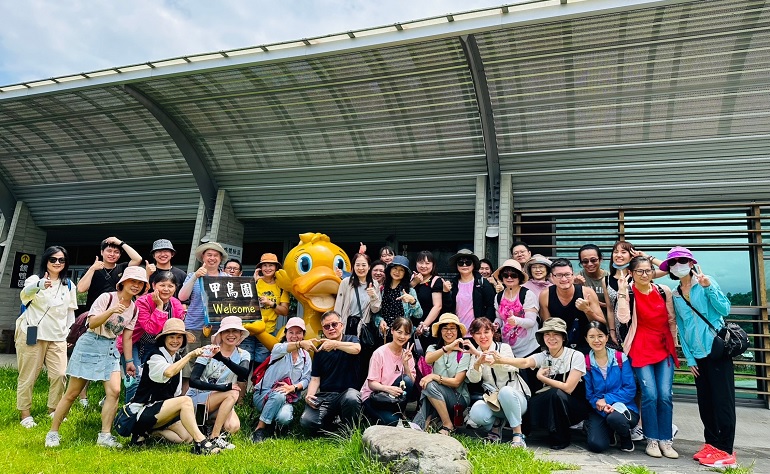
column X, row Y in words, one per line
column 513, row 265
column 448, row 318
column 199, row 251
column 175, row 326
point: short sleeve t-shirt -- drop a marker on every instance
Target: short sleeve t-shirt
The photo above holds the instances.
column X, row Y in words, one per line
column 272, row 292
column 425, row 293
column 217, row 372
column 569, row 359
column 448, row 366
column 338, row 370
column 104, row 281
column 385, row 367
column 117, row 322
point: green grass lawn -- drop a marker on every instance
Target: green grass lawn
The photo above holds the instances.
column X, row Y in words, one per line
column 24, row 451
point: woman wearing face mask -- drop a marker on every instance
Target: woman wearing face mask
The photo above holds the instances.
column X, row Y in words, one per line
column 610, row 389
column 470, row 295
column 714, row 377
column 429, row 289
column 538, row 268
column 153, row 310
column 650, row 346
column 392, row 371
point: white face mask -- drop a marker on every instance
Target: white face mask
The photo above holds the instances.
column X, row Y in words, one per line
column 680, row 270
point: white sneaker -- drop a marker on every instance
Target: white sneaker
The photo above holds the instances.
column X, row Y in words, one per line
column 636, row 433
column 83, row 402
column 52, row 439
column 578, row 426
column 28, row 422
column 101, row 402
column 222, row 443
column 107, row 440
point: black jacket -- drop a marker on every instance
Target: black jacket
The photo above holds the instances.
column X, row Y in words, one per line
column 483, row 297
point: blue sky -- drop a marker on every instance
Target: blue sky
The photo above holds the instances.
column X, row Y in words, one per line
column 45, row 38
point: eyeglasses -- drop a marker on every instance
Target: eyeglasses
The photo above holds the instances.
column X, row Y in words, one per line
column 232, row 269
column 646, row 271
column 449, row 328
column 678, row 260
column 464, row 262
column 509, row 275
column 560, row 276
column 586, row 261
column 54, row 260
column 330, row 326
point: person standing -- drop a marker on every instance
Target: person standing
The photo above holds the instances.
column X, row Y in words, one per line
column 103, row 275
column 471, row 296
column 573, row 304
column 162, row 252
column 714, row 377
column 50, row 300
column 233, row 268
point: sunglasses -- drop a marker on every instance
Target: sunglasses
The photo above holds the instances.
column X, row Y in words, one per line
column 671, row 261
column 586, row 261
column 509, row 275
column 54, row 260
column 331, row 326
column 464, row 262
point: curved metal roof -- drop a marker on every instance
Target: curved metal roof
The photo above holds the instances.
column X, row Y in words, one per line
column 390, row 121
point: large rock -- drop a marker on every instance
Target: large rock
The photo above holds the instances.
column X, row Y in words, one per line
column 406, row 450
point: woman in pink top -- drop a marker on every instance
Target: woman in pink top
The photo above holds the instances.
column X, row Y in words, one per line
column 391, row 370
column 153, row 310
column 649, row 345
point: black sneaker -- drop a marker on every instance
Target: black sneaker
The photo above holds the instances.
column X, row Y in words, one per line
column 259, row 435
column 627, row 445
column 204, row 447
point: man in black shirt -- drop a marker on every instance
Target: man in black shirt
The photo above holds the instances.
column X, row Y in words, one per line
column 162, row 252
column 104, row 274
column 333, row 388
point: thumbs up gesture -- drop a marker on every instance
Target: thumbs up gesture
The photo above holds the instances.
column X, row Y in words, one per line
column 149, row 267
column 46, row 281
column 370, row 290
column 406, row 297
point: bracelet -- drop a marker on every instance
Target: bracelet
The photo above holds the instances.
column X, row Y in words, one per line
column 621, row 296
column 443, row 348
column 440, row 380
column 122, row 243
column 612, row 330
column 129, row 361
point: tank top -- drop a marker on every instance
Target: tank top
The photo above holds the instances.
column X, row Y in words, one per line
column 576, row 320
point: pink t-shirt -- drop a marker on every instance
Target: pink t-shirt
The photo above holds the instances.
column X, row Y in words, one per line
column 385, row 367
column 464, row 303
column 116, row 323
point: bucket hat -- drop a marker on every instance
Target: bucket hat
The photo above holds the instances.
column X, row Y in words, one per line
column 295, row 322
column 230, row 322
column 199, row 251
column 162, row 244
column 676, row 252
column 552, row 325
column 401, row 261
column 514, row 265
column 269, row 258
column 134, row 273
column 464, row 253
column 175, row 326
column 448, row 318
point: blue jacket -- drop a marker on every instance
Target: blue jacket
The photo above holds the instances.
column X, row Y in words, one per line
column 619, row 386
column 694, row 335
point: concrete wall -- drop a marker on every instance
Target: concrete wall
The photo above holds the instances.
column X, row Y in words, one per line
column 225, row 227
column 23, row 236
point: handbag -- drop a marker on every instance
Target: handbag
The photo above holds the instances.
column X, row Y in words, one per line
column 729, row 341
column 369, row 336
column 125, row 421
column 384, row 398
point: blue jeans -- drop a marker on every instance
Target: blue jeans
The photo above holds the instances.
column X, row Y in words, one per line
column 513, row 404
column 256, row 349
column 656, row 381
column 275, row 409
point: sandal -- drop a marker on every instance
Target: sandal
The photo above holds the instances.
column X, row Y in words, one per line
column 205, row 447
column 446, row 431
column 493, row 437
column 520, row 443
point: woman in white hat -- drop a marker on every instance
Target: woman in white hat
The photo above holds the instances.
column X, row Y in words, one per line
column 444, row 391
column 95, row 357
column 217, row 381
column 287, row 374
column 158, row 406
column 538, row 268
column 517, row 310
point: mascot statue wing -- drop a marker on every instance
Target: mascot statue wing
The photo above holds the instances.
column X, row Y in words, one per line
column 309, row 274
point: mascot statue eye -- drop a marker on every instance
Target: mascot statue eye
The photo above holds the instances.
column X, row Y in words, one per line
column 304, row 263
column 339, row 262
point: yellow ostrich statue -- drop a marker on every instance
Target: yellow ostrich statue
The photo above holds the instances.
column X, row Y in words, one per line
column 308, row 273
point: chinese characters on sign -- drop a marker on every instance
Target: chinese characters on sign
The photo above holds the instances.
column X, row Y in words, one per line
column 230, row 296
column 23, row 266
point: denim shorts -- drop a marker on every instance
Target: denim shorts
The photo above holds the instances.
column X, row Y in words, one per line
column 94, row 358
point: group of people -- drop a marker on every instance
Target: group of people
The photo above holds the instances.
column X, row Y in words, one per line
column 530, row 344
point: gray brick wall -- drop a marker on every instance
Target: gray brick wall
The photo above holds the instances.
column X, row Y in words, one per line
column 23, row 236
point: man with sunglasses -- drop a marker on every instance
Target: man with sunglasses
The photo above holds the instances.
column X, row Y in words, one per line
column 575, row 304
column 333, row 380
column 592, row 275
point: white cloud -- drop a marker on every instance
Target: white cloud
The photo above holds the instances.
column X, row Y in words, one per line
column 46, row 38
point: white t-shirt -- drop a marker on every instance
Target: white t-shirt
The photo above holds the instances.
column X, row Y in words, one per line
column 569, row 359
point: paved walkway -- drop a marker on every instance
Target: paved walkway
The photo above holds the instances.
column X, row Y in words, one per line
column 752, row 443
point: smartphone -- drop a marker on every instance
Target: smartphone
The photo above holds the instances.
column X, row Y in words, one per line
column 31, row 335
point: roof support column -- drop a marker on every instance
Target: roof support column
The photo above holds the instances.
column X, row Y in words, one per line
column 480, row 218
column 476, row 66
column 203, row 177
column 506, row 216
column 7, row 203
column 225, row 228
column 23, row 236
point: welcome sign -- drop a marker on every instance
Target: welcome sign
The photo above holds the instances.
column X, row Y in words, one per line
column 230, row 296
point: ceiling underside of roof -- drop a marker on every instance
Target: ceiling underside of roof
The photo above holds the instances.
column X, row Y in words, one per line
column 396, row 129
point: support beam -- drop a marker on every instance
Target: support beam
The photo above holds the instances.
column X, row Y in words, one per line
column 486, row 114
column 506, row 216
column 203, row 177
column 7, row 202
column 479, row 219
